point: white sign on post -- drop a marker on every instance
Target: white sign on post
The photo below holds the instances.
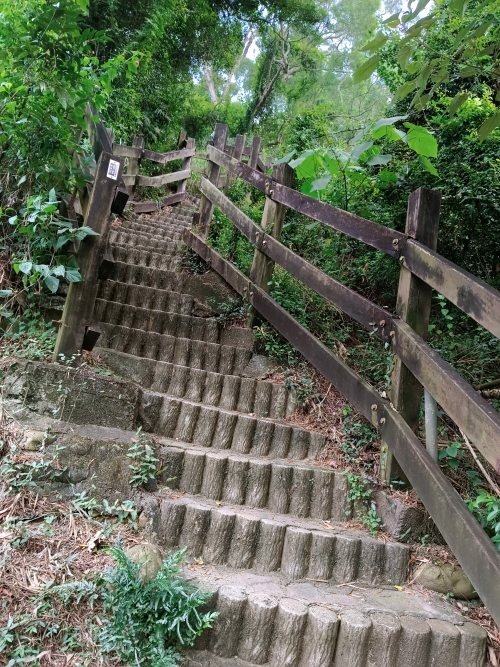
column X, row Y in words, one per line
column 113, row 169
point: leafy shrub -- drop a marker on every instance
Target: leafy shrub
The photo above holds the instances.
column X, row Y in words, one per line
column 144, row 463
column 148, row 622
column 485, row 507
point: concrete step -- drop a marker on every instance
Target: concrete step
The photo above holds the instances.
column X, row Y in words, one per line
column 256, row 539
column 282, row 486
column 166, row 259
column 147, row 276
column 145, row 241
column 159, row 321
column 150, row 227
column 231, row 392
column 266, row 620
column 180, row 351
column 151, row 298
column 206, row 426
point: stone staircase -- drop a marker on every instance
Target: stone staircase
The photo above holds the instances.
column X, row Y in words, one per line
column 263, row 524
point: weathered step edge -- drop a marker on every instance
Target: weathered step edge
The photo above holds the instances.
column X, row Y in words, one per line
column 248, row 395
column 255, row 539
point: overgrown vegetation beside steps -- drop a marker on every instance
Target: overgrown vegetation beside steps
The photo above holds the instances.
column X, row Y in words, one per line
column 69, row 592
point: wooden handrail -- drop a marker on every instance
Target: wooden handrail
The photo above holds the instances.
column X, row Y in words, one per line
column 472, row 295
column 161, row 158
column 468, row 409
column 467, row 539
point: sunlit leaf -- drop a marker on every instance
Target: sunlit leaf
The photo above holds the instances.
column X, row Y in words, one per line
column 320, row 183
column 376, row 43
column 488, row 126
column 73, row 275
column 428, row 166
column 421, row 140
column 366, row 69
column 379, row 159
column 51, row 283
column 457, row 102
column 25, row 267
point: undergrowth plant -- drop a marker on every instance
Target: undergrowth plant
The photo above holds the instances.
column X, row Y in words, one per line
column 147, row 623
column 361, row 497
column 144, row 462
column 485, row 506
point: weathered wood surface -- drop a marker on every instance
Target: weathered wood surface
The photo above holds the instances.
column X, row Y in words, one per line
column 79, row 304
column 157, row 181
column 469, row 542
column 150, row 206
column 186, row 164
column 273, row 215
column 472, row 295
column 206, row 208
column 134, row 164
column 142, row 153
column 413, row 306
column 472, row 413
column 100, row 137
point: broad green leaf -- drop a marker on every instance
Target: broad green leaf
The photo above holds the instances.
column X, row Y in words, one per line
column 22, row 180
column 387, row 177
column 458, row 6
column 52, row 196
column 366, row 69
column 286, row 159
column 42, row 269
column 421, row 140
column 457, row 102
column 358, row 150
column 320, row 183
column 389, row 132
column 488, row 126
column 388, row 121
column 25, row 267
column 4, row 293
column 392, row 21
column 51, row 283
column 404, row 90
column 305, row 165
column 379, row 159
column 376, row 43
column 73, row 275
column 428, row 166
column 58, row 270
column 83, row 232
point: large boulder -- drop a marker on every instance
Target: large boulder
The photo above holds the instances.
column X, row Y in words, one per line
column 445, row 578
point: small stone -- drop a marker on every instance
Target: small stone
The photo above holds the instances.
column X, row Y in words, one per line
column 142, row 521
column 149, row 559
column 445, row 578
column 259, row 367
column 33, row 441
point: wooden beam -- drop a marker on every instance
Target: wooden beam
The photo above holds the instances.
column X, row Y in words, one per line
column 460, row 401
column 272, row 217
column 254, row 153
column 213, row 170
column 186, row 164
column 468, row 541
column 79, row 304
column 472, row 295
column 150, row 205
column 130, row 179
column 162, row 179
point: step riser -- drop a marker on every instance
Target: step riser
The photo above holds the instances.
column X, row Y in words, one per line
column 155, row 260
column 157, row 321
column 125, row 238
column 229, row 392
column 211, row 427
column 149, row 298
column 154, row 229
column 222, row 537
column 147, row 276
column 259, row 629
column 301, row 491
column 180, row 351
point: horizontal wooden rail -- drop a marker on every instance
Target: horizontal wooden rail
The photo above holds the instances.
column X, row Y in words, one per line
column 472, row 295
column 468, row 409
column 156, row 181
column 372, row 234
column 469, row 542
column 150, row 206
column 143, row 154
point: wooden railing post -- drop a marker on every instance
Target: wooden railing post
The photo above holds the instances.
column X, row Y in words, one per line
column 134, row 162
column 272, row 216
column 186, row 164
column 79, row 304
column 206, row 206
column 413, row 306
